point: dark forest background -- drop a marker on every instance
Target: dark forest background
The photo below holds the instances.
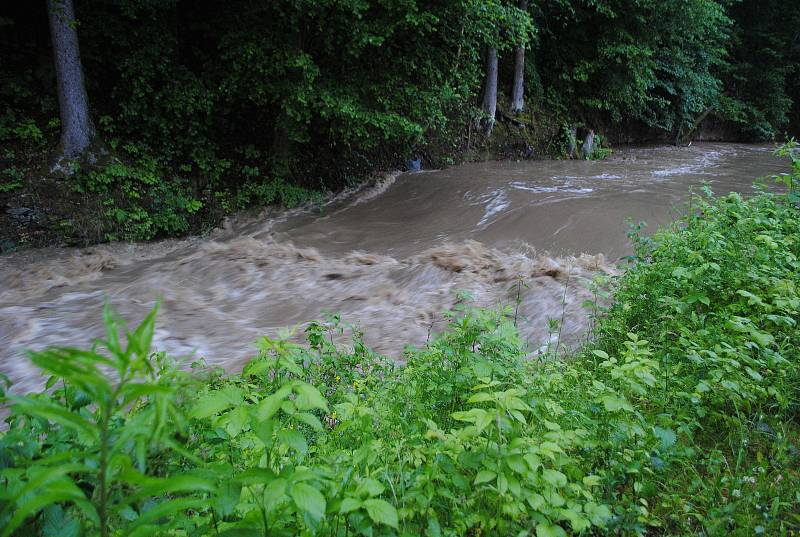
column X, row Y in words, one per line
column 203, row 108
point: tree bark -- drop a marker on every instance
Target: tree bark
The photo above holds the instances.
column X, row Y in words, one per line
column 518, row 90
column 77, row 130
column 490, row 90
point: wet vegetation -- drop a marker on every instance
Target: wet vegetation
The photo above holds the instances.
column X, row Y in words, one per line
column 679, row 415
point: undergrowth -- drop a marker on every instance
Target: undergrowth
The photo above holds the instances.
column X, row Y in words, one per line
column 681, row 417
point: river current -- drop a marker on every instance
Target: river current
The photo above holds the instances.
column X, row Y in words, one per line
column 389, row 257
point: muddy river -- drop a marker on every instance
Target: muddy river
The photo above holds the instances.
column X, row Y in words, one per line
column 390, row 257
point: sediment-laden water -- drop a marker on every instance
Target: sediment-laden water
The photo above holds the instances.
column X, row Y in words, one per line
column 390, row 258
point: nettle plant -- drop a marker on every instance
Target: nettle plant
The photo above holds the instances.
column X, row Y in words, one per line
column 315, row 439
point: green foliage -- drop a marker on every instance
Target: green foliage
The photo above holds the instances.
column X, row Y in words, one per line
column 761, row 79
column 680, row 418
column 643, row 62
column 717, row 297
column 791, row 180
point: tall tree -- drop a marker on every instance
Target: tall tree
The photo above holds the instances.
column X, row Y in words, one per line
column 518, row 90
column 490, row 90
column 77, row 130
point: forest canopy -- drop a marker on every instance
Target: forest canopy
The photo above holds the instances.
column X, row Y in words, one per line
column 203, row 108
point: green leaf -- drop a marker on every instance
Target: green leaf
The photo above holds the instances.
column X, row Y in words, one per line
column 167, row 509
column 480, row 397
column 294, row 440
column 309, row 419
column 158, row 486
column 142, row 337
column 381, row 512
column 667, row 437
column 217, row 401
column 349, row 504
column 275, row 494
column 517, row 463
column 550, row 530
column 308, row 500
column 236, row 420
column 242, row 532
column 57, row 491
column 484, row 476
column 56, row 523
column 271, row 404
column 308, row 397
column 554, row 477
column 615, row 403
column 226, row 497
column 55, row 413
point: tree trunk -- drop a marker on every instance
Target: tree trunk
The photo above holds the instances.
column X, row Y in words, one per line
column 490, row 90
column 518, row 90
column 77, row 130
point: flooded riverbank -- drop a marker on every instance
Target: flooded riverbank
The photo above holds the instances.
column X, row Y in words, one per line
column 390, row 258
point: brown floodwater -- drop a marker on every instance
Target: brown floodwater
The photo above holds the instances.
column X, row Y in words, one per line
column 390, row 257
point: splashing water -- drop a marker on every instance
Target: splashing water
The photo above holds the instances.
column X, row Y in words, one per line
column 389, row 257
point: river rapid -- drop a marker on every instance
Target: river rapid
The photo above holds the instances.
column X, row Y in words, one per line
column 389, row 257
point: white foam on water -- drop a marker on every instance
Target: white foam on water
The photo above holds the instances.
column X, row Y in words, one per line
column 549, row 189
column 498, row 202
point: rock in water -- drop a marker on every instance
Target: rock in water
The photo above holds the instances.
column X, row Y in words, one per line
column 588, row 145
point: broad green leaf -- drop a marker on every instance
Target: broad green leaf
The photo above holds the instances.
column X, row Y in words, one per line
column 480, row 397
column 598, row 514
column 308, row 397
column 236, row 420
column 554, row 477
column 517, row 463
column 349, row 504
column 309, row 419
column 308, row 500
column 226, row 497
column 294, row 440
column 275, row 494
column 371, row 487
column 241, row 532
column 158, row 486
column 57, row 414
column 667, row 437
column 550, row 530
column 271, row 404
column 615, row 403
column 381, row 512
column 167, row 509
column 217, row 401
column 484, row 476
